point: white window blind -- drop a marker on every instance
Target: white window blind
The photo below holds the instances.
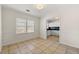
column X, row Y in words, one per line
column 20, row 25
column 30, row 26
column 24, row 26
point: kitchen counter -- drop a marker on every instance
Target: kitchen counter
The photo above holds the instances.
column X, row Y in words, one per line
column 53, row 31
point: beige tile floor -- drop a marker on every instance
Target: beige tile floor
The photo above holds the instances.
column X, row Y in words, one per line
column 40, row 46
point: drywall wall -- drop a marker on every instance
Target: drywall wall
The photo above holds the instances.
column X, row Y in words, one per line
column 43, row 33
column 0, row 28
column 69, row 24
column 9, row 26
column 55, row 23
column 69, row 32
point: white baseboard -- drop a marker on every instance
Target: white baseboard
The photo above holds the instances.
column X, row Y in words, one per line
column 72, row 45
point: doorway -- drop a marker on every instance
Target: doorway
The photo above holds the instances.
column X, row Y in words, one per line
column 52, row 29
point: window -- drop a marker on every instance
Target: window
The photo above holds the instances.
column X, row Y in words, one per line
column 24, row 26
column 30, row 26
column 20, row 25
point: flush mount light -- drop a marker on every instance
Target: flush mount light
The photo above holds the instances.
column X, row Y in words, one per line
column 27, row 10
column 40, row 6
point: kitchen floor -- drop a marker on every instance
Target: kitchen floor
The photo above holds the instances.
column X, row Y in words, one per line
column 40, row 46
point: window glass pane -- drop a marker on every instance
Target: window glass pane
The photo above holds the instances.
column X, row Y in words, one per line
column 20, row 20
column 30, row 26
column 30, row 29
column 20, row 28
column 20, row 25
column 18, row 31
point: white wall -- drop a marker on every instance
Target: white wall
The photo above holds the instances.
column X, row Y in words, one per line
column 69, row 24
column 55, row 23
column 9, row 26
column 69, row 33
column 0, row 28
column 43, row 33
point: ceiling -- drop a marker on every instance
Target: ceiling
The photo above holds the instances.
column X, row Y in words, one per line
column 33, row 10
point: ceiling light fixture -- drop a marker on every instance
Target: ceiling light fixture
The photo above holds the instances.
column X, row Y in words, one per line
column 40, row 6
column 56, row 17
column 27, row 10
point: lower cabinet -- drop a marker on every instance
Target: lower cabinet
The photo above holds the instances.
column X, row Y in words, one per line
column 53, row 32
